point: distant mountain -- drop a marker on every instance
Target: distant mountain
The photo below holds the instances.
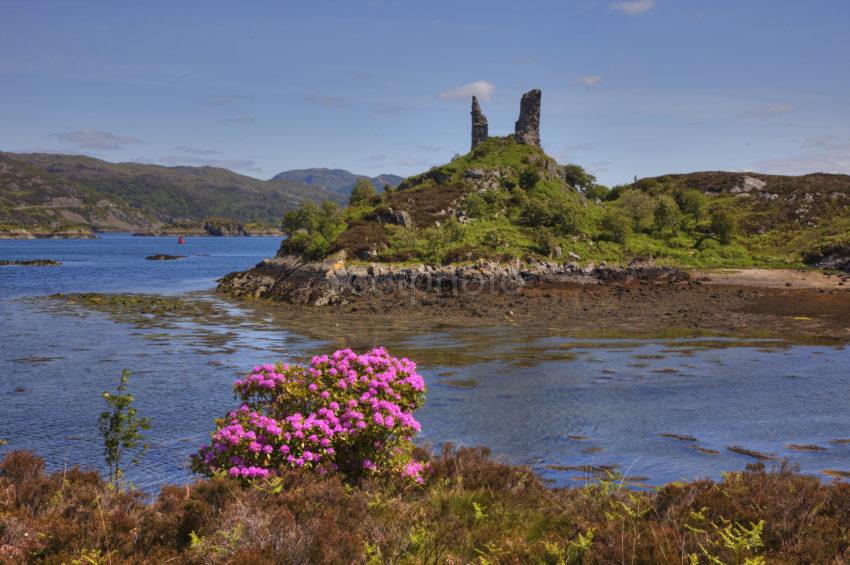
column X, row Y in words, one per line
column 336, row 180
column 49, row 191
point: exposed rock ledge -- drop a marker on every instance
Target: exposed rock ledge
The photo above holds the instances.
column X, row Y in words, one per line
column 43, row 233
column 333, row 281
column 30, row 263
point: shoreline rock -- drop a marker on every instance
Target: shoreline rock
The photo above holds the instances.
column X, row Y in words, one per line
column 31, row 233
column 212, row 229
column 30, row 263
column 332, row 281
column 164, row 257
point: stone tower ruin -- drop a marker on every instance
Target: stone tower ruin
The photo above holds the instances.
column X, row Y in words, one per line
column 479, row 124
column 527, row 129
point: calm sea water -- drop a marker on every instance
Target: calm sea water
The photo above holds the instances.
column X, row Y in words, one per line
column 551, row 401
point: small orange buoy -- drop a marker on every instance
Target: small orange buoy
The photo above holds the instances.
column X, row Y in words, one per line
column 181, row 239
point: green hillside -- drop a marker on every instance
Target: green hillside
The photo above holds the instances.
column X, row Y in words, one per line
column 46, row 191
column 506, row 200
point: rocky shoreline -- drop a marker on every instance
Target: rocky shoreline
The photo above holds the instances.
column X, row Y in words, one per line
column 30, row 263
column 31, row 233
column 212, row 229
column 333, row 281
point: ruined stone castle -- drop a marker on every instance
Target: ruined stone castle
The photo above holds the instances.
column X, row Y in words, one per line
column 527, row 127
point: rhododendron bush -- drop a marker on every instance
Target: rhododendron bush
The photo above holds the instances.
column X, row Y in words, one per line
column 344, row 412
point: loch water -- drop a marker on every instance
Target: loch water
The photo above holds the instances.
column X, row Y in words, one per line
column 564, row 404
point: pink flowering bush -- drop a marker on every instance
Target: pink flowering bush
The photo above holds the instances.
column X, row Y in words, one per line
column 345, row 412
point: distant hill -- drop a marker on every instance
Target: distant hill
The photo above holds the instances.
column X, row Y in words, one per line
column 336, row 180
column 49, row 191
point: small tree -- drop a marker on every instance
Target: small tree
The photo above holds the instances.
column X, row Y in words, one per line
column 528, row 178
column 724, row 225
column 597, row 192
column 667, row 215
column 362, row 193
column 577, row 177
column 691, row 202
column 121, row 428
column 639, row 206
column 304, row 218
column 616, row 226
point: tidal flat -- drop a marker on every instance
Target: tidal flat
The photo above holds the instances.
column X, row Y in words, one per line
column 684, row 410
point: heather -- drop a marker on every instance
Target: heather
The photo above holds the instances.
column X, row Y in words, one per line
column 317, row 465
column 472, row 508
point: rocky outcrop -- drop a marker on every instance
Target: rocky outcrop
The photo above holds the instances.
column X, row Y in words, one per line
column 164, row 257
column 41, row 233
column 212, row 229
column 387, row 215
column 831, row 257
column 290, row 279
column 527, row 128
column 30, row 263
column 479, row 124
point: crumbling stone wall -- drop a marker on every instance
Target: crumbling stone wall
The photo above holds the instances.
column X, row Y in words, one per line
column 527, row 129
column 479, row 124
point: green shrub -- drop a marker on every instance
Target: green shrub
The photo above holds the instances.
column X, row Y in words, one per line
column 577, row 177
column 690, row 202
column 121, row 429
column 528, row 178
column 363, row 193
column 313, row 228
column 724, row 225
column 547, row 243
column 494, row 240
column 615, row 192
column 556, row 213
column 597, row 192
column 483, row 204
column 616, row 226
column 638, row 206
column 667, row 217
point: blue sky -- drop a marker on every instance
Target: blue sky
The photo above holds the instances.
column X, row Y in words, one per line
column 641, row 87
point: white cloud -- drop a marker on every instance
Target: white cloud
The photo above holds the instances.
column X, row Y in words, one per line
column 589, row 80
column 835, row 160
column 480, row 88
column 633, row 7
column 766, row 112
column 95, row 139
column 598, row 167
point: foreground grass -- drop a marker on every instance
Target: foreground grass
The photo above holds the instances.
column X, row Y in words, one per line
column 472, row 509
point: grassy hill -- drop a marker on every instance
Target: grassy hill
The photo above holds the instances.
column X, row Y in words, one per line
column 47, row 191
column 506, row 200
column 337, row 180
